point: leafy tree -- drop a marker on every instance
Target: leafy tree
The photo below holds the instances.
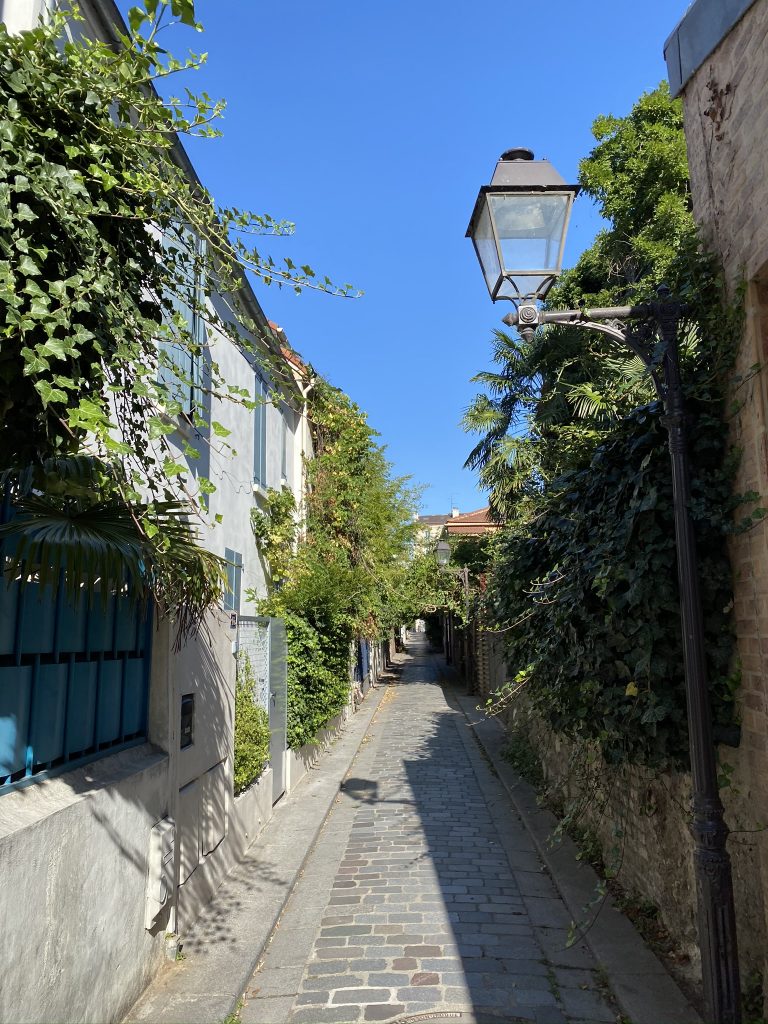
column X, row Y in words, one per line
column 573, row 449
column 345, row 570
column 110, row 255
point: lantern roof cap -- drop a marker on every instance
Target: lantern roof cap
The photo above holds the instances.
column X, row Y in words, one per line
column 518, row 168
column 518, row 171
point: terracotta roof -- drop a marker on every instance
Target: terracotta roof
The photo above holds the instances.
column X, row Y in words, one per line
column 434, row 520
column 293, row 357
column 471, row 523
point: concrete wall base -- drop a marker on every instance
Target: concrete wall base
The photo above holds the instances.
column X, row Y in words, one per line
column 249, row 813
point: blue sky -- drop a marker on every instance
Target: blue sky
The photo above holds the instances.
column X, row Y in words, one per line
column 372, row 127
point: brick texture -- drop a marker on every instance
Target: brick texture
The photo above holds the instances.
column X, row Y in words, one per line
column 726, row 127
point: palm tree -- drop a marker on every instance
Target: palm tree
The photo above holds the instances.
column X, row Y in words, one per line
column 66, row 522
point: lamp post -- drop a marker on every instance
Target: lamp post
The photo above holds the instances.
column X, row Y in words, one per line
column 518, row 228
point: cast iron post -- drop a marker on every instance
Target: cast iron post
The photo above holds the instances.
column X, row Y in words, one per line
column 712, row 864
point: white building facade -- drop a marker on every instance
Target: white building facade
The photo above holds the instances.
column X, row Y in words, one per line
column 117, row 815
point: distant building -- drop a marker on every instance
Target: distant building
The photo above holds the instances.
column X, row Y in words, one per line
column 470, row 524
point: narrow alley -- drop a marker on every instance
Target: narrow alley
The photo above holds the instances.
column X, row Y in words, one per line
column 424, row 893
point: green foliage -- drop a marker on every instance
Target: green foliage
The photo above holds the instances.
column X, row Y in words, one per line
column 346, row 570
column 573, row 448
column 109, row 254
column 318, row 675
column 69, row 526
column 520, row 754
column 251, row 753
column 275, row 531
column 595, row 573
column 475, row 553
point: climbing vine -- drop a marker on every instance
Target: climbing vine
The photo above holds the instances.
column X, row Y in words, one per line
column 346, row 570
column 251, row 732
column 110, row 254
column 584, row 576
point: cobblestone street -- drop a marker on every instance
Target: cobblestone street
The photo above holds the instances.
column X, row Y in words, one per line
column 424, row 893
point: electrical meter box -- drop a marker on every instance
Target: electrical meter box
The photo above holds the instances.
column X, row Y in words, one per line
column 162, row 852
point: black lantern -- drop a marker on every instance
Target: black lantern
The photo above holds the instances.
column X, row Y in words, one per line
column 518, row 226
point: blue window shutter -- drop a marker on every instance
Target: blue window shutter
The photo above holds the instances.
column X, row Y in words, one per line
column 181, row 374
column 234, row 578
column 260, row 433
column 284, row 445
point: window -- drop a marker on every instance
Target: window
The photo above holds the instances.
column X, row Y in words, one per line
column 234, row 576
column 180, row 369
column 260, row 432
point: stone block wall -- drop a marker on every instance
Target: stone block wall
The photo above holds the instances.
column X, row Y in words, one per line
column 726, row 127
column 640, row 818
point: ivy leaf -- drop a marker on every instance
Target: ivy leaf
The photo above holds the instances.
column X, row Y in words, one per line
column 159, row 427
column 184, row 10
column 136, row 18
column 28, row 266
column 48, row 393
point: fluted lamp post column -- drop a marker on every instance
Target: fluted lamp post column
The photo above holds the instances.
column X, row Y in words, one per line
column 518, row 228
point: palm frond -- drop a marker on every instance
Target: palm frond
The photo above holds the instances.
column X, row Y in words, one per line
column 90, row 546
column 95, row 548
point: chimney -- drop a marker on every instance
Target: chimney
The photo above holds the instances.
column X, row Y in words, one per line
column 454, row 513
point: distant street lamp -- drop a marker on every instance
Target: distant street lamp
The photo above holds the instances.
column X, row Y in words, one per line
column 518, row 228
column 443, row 552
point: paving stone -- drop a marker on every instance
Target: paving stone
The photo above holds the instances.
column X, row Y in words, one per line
column 391, row 980
column 312, row 998
column 534, row 997
column 383, row 1011
column 361, row 995
column 337, row 952
column 332, row 981
column 272, row 1010
column 425, row 978
column 329, row 967
column 327, row 1015
column 346, row 929
column 552, row 1015
column 588, row 1005
column 436, row 897
column 426, row 995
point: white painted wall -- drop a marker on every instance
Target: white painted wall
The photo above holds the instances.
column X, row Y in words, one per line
column 74, row 849
column 73, row 862
column 19, row 15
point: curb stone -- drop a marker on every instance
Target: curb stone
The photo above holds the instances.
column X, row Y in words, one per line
column 226, row 942
column 642, row 986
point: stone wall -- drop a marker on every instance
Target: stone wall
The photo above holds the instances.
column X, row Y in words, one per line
column 726, row 127
column 640, row 818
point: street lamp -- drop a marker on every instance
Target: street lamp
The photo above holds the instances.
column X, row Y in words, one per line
column 519, row 224
column 505, row 230
column 443, row 552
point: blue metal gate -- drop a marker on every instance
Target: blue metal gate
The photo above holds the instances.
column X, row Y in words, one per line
column 74, row 678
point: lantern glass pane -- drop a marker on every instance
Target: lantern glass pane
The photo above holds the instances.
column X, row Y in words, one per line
column 530, row 230
column 525, row 286
column 485, row 246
